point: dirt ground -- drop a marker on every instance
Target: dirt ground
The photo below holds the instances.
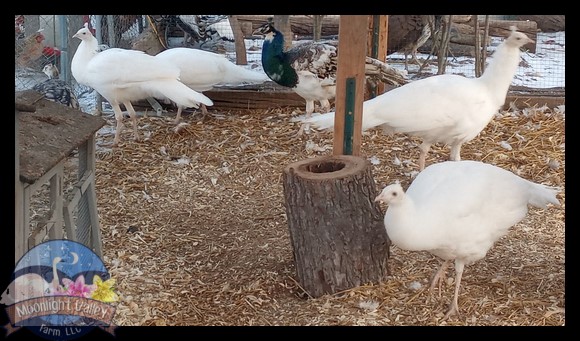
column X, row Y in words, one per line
column 194, row 227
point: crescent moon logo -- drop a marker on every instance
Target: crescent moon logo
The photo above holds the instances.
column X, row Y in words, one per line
column 75, row 257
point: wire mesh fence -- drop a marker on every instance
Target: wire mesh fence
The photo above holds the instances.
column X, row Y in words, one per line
column 44, row 39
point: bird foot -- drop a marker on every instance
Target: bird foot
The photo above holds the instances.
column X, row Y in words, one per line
column 304, row 130
column 116, row 140
column 300, row 132
column 453, row 310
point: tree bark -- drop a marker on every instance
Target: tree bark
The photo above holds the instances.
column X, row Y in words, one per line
column 336, row 230
column 546, row 23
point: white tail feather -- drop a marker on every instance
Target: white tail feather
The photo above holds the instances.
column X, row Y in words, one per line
column 179, row 93
column 320, row 121
column 542, row 195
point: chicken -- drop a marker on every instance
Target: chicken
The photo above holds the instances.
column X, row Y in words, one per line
column 30, row 49
column 122, row 76
column 450, row 109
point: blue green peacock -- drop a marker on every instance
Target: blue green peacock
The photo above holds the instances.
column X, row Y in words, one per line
column 309, row 68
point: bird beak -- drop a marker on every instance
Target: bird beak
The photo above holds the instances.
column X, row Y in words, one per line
column 378, row 199
column 530, row 41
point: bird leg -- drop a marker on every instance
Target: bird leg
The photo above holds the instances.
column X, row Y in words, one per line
column 202, row 107
column 178, row 116
column 454, row 307
column 119, row 119
column 454, row 155
column 306, row 126
column 438, row 277
column 133, row 116
column 424, row 149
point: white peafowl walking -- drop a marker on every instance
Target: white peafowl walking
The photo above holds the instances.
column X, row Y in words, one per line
column 457, row 210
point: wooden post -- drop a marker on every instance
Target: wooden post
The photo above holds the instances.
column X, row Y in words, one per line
column 336, row 230
column 19, row 231
column 241, row 57
column 316, row 27
column 377, row 45
column 282, row 23
column 350, row 80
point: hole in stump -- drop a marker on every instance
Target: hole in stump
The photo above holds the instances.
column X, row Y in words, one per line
column 325, row 167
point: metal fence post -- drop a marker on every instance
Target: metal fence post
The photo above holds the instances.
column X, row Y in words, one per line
column 64, row 59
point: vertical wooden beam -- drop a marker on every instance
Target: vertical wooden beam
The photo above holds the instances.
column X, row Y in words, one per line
column 282, row 23
column 317, row 27
column 377, row 44
column 350, row 80
column 19, row 231
column 56, row 204
column 96, row 241
column 241, row 54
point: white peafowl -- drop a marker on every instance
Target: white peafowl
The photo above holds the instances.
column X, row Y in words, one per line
column 450, row 109
column 122, row 76
column 202, row 70
column 310, row 68
column 55, row 89
column 457, row 210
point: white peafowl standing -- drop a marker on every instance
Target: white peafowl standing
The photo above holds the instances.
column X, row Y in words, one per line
column 202, row 70
column 450, row 109
column 122, row 76
column 457, row 210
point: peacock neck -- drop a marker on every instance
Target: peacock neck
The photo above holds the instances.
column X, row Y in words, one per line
column 277, row 43
column 500, row 72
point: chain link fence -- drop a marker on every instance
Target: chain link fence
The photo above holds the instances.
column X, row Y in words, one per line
column 44, row 39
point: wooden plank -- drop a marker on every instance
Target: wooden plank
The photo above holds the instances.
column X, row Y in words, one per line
column 351, row 65
column 56, row 130
column 249, row 99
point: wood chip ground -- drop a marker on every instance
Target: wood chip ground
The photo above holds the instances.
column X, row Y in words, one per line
column 194, row 228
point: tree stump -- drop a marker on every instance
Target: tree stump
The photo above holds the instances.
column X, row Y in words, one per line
column 336, row 230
